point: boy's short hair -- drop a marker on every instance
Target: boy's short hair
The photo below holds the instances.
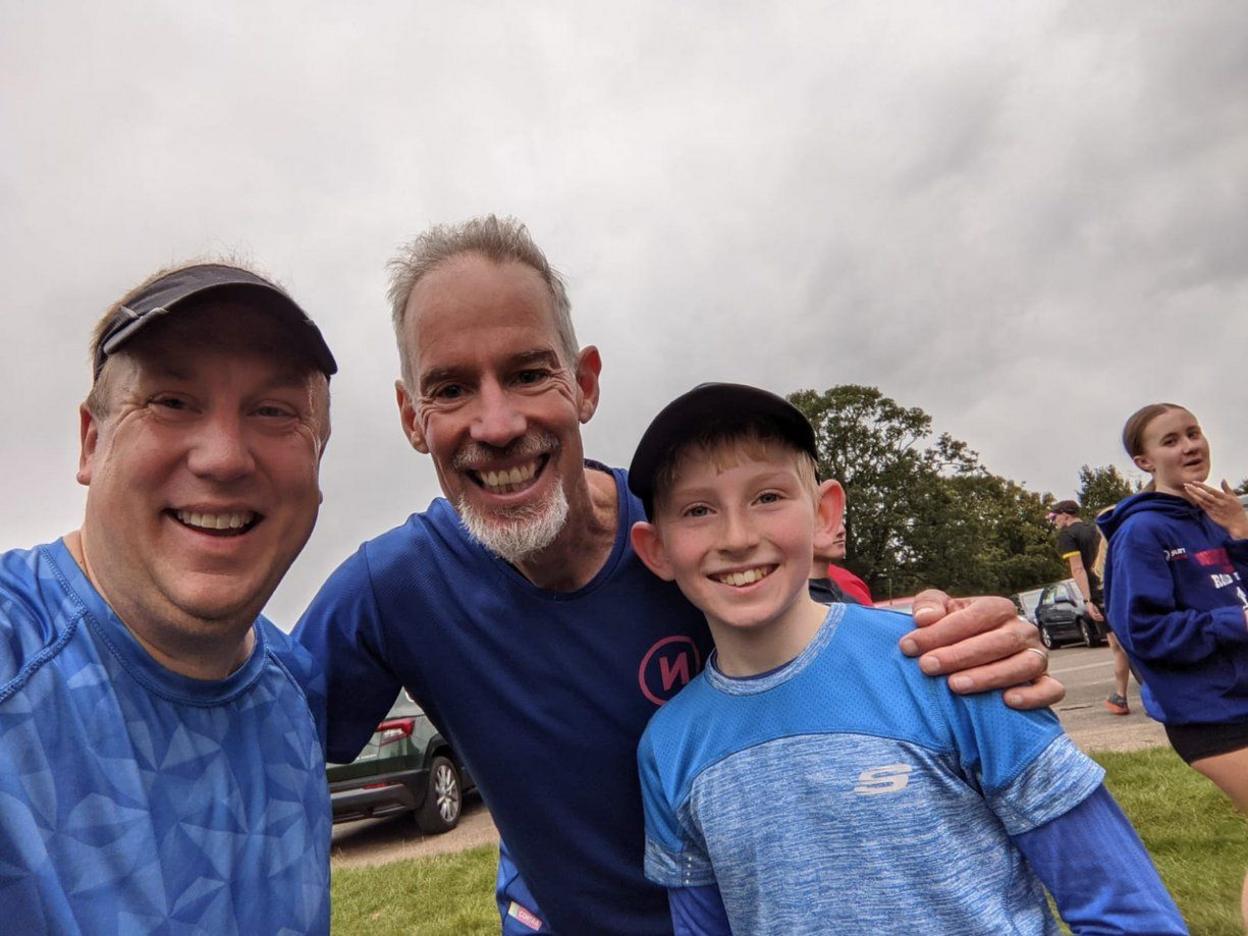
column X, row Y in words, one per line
column 707, row 417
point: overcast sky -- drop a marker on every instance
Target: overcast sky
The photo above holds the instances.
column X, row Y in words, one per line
column 1026, row 218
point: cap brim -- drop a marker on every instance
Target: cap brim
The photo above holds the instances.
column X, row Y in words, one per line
column 707, row 405
column 168, row 293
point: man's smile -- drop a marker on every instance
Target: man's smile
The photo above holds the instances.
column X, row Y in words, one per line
column 509, row 480
column 217, row 523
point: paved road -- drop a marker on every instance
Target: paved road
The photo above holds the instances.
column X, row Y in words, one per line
column 1086, row 672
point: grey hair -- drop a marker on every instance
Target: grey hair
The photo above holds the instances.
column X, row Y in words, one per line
column 501, row 240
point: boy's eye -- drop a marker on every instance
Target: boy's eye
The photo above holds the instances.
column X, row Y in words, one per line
column 697, row 510
column 769, row 497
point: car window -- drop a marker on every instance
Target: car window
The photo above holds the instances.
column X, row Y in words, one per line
column 404, row 706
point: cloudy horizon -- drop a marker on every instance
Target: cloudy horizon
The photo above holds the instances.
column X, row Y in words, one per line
column 1026, row 219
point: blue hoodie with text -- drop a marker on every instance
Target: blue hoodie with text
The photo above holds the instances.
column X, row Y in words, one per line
column 1175, row 585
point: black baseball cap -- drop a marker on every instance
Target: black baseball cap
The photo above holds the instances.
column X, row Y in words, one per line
column 714, row 408
column 1065, row 507
column 166, row 293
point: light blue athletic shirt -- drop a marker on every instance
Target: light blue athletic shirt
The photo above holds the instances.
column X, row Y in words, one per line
column 135, row 800
column 846, row 792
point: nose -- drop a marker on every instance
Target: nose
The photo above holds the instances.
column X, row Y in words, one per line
column 497, row 421
column 221, row 450
column 739, row 532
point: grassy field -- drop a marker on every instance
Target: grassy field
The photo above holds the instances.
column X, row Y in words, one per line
column 1199, row 844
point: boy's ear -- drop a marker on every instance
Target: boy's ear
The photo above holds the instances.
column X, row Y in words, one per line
column 829, row 511
column 649, row 547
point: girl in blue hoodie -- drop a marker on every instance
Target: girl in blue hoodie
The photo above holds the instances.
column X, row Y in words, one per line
column 1176, row 587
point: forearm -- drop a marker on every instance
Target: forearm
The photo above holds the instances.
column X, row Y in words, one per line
column 1080, row 575
column 698, row 911
column 1099, row 873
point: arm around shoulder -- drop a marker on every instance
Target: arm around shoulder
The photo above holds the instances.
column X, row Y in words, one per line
column 343, row 631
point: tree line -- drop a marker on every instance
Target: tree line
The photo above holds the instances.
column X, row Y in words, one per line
column 923, row 511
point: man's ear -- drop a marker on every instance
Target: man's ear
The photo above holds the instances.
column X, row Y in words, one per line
column 588, row 368
column 410, row 418
column 649, row 547
column 88, row 440
column 829, row 511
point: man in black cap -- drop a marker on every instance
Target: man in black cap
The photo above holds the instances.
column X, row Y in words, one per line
column 1079, row 543
column 163, row 770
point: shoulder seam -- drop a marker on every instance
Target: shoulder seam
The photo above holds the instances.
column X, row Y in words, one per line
column 51, row 650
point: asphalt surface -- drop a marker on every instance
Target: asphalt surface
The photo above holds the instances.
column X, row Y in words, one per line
column 1087, row 673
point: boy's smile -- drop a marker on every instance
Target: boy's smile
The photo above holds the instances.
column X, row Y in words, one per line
column 736, row 533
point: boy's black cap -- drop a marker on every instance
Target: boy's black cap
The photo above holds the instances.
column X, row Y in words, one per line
column 165, row 294
column 711, row 406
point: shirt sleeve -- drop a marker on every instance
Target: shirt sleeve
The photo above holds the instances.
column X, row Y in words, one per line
column 1024, row 766
column 1099, row 872
column 698, row 911
column 1143, row 611
column 1066, row 545
column 342, row 630
column 674, row 858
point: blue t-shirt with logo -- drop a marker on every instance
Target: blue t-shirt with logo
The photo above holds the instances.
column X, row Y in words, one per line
column 136, row 800
column 544, row 695
column 846, row 792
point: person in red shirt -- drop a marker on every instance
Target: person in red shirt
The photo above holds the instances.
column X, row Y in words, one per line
column 851, row 587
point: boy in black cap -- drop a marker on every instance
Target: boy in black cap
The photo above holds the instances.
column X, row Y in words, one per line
column 808, row 762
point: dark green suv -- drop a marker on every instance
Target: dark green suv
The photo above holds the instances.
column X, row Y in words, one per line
column 406, row 766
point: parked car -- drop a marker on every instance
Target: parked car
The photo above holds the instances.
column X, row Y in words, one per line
column 1026, row 603
column 1063, row 617
column 406, row 766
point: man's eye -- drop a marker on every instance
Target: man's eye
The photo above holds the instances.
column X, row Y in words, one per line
column 448, row 392
column 530, row 376
column 172, row 403
column 274, row 412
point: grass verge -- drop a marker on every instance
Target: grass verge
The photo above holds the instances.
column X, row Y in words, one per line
column 1199, row 843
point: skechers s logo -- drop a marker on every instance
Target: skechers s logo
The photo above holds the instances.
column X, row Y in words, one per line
column 891, row 778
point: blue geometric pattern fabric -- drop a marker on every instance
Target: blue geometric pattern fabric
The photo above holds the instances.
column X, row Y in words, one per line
column 136, row 800
column 845, row 792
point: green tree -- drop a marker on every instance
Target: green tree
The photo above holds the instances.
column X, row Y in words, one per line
column 1101, row 487
column 922, row 511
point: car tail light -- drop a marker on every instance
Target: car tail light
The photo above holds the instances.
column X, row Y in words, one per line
column 388, row 732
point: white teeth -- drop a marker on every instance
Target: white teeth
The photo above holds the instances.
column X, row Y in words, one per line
column 508, row 477
column 221, row 521
column 748, row 577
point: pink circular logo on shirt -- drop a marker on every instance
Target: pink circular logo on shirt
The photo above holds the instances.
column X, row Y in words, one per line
column 667, row 667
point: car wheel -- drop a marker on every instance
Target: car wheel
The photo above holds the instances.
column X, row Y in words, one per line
column 444, row 799
column 1088, row 632
column 1047, row 639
